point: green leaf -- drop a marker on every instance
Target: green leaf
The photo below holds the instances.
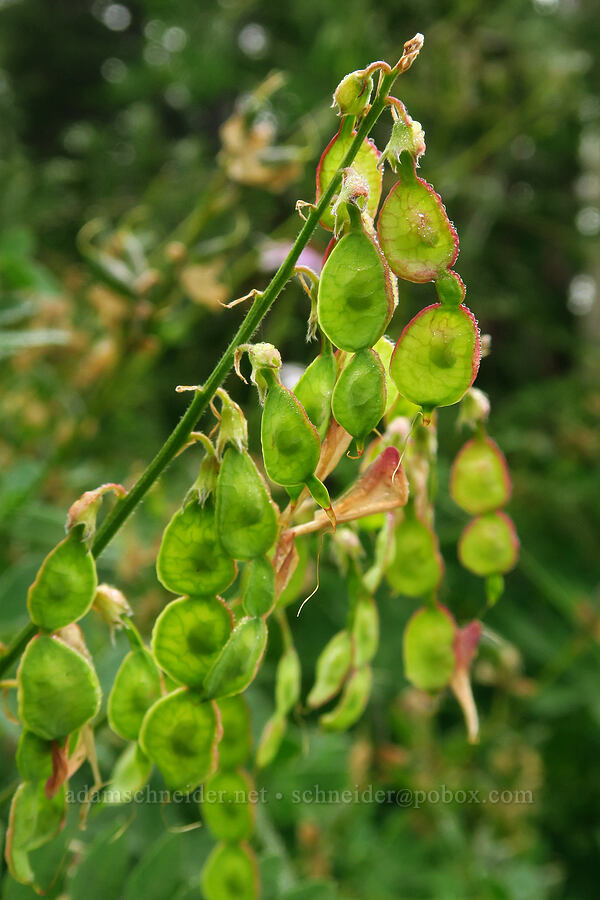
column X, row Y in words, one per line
column 180, row 734
column 428, row 644
column 189, row 635
column 64, row 588
column 191, row 559
column 238, row 661
column 136, row 687
column 102, row 868
column 58, row 689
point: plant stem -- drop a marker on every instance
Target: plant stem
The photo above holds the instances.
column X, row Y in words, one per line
column 263, row 302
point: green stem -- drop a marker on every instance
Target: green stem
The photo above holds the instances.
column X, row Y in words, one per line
column 262, row 304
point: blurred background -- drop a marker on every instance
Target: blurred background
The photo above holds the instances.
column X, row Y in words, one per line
column 151, row 156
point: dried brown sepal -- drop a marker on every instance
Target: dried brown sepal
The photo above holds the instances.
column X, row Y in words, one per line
column 284, row 562
column 85, row 509
column 465, row 647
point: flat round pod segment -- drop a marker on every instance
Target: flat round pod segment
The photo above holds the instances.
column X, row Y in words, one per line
column 246, row 516
column 188, row 636
column 415, row 233
column 259, row 587
column 416, row 568
column 180, row 733
column 428, row 644
column 437, row 356
column 136, row 687
column 228, row 806
column 365, row 165
column 290, row 444
column 236, row 743
column 64, row 588
column 314, row 389
column 489, row 545
column 479, row 479
column 359, row 398
column 191, row 560
column 58, row 689
column 34, row 820
column 356, row 297
column 231, row 873
column 237, row 663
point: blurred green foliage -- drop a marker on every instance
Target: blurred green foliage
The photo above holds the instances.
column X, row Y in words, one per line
column 113, row 116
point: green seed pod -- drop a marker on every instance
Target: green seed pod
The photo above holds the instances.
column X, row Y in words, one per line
column 34, row 820
column 287, row 681
column 333, row 665
column 136, row 687
column 489, row 545
column 236, row 742
column 290, row 444
column 479, row 480
column 365, row 630
column 191, row 559
column 130, row 774
column 64, row 588
column 188, row 636
column 416, row 235
column 428, row 644
column 180, row 733
column 34, row 757
column 238, row 662
column 352, row 703
column 353, row 93
column 357, row 295
column 229, row 805
column 258, row 594
column 359, row 398
column 231, row 873
column 416, row 567
column 270, row 740
column 365, row 165
column 437, row 356
column 58, row 689
column 315, row 387
column 246, row 516
column 384, row 349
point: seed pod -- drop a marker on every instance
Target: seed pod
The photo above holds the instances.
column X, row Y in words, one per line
column 352, row 703
column 237, row 663
column 34, row 757
column 315, row 387
column 365, row 165
column 415, row 233
column 287, row 681
column 191, row 559
column 246, row 518
column 384, row 349
column 131, row 772
column 437, row 356
column 227, row 807
column 34, row 820
column 258, row 595
column 416, row 566
column 359, row 398
column 188, row 636
column 357, row 293
column 428, row 644
column 231, row 873
column 180, row 733
column 479, row 480
column 489, row 545
column 333, row 665
column 236, row 742
column 58, row 689
column 270, row 740
column 365, row 630
column 353, row 93
column 136, row 687
column 64, row 588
